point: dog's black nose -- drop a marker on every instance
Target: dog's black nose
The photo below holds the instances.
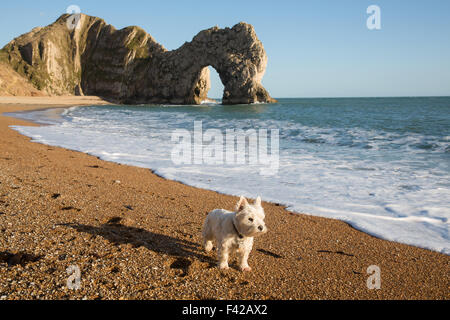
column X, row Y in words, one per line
column 260, row 228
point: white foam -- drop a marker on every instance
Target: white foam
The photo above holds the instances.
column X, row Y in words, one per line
column 385, row 193
column 210, row 102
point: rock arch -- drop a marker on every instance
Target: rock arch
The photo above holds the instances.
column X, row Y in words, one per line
column 129, row 66
column 236, row 54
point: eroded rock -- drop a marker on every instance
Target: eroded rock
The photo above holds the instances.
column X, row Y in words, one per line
column 129, row 66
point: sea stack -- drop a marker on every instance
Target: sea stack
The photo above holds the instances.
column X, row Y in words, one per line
column 129, row 66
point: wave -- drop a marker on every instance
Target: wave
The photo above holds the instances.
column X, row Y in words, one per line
column 393, row 185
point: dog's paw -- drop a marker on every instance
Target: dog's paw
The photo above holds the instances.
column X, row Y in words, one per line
column 224, row 267
column 209, row 246
column 246, row 269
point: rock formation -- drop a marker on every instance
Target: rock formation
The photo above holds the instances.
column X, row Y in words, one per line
column 129, row 66
column 13, row 84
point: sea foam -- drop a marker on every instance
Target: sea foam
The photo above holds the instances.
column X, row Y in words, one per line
column 387, row 178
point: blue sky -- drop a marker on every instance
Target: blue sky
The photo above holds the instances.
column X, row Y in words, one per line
column 315, row 48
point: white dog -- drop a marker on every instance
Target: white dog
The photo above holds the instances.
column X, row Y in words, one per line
column 234, row 231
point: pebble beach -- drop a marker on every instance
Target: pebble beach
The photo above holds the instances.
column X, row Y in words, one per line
column 135, row 235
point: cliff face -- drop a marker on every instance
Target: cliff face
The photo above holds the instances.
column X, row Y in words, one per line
column 129, row 66
column 13, row 84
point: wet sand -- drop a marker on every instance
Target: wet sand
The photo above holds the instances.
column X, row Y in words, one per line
column 135, row 235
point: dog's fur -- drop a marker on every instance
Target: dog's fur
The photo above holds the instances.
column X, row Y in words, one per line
column 234, row 231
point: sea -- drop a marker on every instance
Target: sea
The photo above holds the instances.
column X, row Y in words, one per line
column 380, row 164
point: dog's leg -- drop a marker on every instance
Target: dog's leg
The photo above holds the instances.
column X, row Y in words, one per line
column 223, row 256
column 243, row 255
column 207, row 237
column 208, row 244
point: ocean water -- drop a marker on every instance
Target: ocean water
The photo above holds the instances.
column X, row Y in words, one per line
column 380, row 164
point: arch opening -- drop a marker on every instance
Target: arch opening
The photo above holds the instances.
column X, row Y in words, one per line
column 208, row 88
column 217, row 87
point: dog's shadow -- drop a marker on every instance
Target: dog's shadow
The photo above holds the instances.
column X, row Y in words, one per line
column 117, row 234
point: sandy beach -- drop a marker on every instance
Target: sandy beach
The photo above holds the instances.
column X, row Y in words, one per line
column 135, row 235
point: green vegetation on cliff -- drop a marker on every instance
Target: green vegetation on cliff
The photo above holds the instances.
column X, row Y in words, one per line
column 3, row 56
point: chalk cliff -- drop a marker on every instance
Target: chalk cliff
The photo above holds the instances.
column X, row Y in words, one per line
column 129, row 66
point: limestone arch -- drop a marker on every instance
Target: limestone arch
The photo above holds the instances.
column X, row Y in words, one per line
column 129, row 66
column 236, row 54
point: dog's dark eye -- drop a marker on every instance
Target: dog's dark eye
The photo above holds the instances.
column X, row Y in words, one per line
column 250, row 219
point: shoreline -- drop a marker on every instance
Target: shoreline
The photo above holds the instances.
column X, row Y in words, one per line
column 322, row 258
column 56, row 112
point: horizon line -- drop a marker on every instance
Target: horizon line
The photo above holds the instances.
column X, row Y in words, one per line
column 355, row 97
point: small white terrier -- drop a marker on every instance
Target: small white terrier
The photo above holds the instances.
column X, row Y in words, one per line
column 234, row 231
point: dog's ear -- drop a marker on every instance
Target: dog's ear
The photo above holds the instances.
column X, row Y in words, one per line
column 258, row 202
column 241, row 204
